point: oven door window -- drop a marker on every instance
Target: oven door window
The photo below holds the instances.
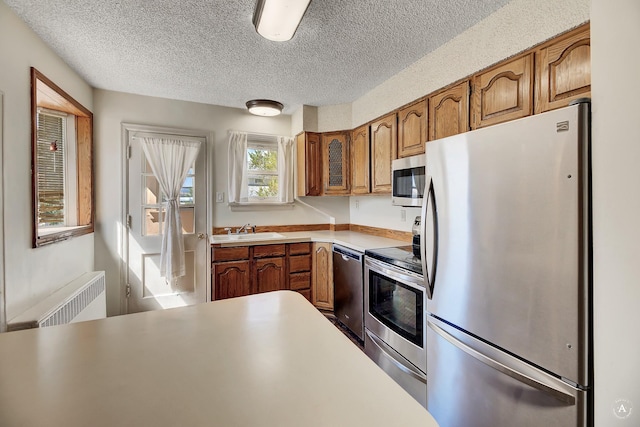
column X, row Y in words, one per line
column 397, row 305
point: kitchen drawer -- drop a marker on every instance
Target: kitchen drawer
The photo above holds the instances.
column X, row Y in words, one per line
column 299, row 263
column 229, row 254
column 299, row 248
column 264, row 251
column 298, row 281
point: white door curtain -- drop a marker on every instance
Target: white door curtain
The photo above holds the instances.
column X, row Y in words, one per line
column 170, row 161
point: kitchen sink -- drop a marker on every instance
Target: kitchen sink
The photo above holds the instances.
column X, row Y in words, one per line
column 248, row 236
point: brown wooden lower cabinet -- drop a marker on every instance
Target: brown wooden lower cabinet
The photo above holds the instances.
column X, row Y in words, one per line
column 322, row 277
column 299, row 267
column 300, row 282
column 232, row 279
column 269, row 274
column 246, row 270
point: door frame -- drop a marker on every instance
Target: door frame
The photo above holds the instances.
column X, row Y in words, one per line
column 127, row 129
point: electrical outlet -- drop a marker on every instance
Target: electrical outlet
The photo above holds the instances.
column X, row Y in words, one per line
column 357, row 204
column 219, row 197
column 403, row 215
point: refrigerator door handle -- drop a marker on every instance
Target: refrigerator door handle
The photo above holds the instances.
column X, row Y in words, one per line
column 415, row 373
column 546, row 388
column 429, row 237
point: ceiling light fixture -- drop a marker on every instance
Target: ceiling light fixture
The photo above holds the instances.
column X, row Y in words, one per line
column 264, row 107
column 278, row 20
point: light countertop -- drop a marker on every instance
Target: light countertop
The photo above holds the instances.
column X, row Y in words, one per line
column 351, row 239
column 263, row 360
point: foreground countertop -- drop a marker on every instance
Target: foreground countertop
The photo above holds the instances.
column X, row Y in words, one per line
column 351, row 239
column 263, row 360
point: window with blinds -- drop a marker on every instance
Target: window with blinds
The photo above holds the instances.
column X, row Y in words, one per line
column 51, row 173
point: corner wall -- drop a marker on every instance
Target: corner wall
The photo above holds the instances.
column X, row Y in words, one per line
column 31, row 274
column 615, row 37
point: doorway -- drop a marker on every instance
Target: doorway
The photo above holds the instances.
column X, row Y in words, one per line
column 143, row 226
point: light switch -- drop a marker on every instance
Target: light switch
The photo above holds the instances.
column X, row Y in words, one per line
column 219, row 197
column 403, row 215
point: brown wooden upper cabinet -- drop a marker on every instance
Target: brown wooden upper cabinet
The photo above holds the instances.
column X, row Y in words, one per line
column 335, row 163
column 360, row 170
column 309, row 167
column 449, row 111
column 412, row 129
column 503, row 92
column 563, row 70
column 384, row 137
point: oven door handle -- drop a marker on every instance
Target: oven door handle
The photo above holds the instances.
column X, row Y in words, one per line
column 387, row 352
column 407, row 278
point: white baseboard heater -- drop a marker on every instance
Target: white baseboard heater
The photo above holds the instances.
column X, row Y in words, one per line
column 82, row 299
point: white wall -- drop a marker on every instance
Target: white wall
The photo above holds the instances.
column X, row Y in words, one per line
column 31, row 274
column 304, row 119
column 615, row 37
column 377, row 211
column 114, row 108
column 334, row 117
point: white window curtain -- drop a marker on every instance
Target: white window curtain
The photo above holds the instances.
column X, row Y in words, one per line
column 170, row 161
column 237, row 167
column 285, row 169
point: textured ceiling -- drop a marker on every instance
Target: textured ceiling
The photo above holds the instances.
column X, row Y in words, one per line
column 209, row 52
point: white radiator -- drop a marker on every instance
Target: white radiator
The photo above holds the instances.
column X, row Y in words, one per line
column 82, row 299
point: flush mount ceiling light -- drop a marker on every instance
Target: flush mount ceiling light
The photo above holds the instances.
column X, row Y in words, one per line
column 278, row 20
column 264, row 107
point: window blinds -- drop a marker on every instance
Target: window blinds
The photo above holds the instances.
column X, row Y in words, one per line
column 50, row 155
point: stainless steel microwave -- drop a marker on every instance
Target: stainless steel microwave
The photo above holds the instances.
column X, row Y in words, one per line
column 407, row 180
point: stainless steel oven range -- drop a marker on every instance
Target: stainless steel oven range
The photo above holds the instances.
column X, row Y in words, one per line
column 395, row 317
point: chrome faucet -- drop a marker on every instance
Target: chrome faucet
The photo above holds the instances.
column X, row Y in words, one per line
column 244, row 229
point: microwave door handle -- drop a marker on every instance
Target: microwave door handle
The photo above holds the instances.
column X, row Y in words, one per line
column 429, row 237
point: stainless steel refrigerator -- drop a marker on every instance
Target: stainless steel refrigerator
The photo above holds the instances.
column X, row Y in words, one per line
column 506, row 251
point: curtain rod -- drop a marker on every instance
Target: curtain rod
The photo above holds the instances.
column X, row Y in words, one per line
column 178, row 137
column 257, row 133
